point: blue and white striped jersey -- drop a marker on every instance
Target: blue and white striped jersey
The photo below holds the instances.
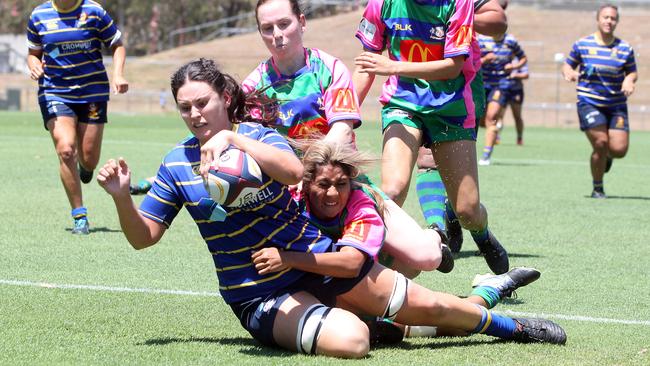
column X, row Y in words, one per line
column 71, row 42
column 603, row 68
column 272, row 220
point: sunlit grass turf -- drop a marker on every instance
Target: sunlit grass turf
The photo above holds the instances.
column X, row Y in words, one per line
column 593, row 255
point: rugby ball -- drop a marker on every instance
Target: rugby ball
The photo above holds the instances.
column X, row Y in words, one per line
column 234, row 179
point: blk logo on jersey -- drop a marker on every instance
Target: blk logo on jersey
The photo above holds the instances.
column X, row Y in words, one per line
column 403, row 27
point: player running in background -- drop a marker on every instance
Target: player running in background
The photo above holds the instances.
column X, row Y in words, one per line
column 499, row 57
column 427, row 100
column 606, row 78
column 290, row 308
column 65, row 38
column 516, row 100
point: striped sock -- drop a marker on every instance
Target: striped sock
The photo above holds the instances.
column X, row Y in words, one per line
column 495, row 325
column 432, row 195
column 79, row 212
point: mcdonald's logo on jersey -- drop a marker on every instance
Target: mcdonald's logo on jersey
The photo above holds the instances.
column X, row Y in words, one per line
column 309, row 128
column 418, row 51
column 464, row 36
column 344, row 101
column 357, row 230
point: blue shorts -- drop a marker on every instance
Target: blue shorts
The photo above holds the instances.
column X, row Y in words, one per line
column 614, row 118
column 91, row 113
column 257, row 315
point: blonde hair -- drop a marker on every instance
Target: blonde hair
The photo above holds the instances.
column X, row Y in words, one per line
column 318, row 153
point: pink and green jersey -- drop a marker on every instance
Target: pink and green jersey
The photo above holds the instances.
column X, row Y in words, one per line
column 313, row 98
column 423, row 31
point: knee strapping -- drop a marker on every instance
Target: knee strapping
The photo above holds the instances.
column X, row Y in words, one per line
column 397, row 297
column 309, row 328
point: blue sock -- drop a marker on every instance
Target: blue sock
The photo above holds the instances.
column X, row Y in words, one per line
column 79, row 212
column 480, row 236
column 489, row 294
column 449, row 211
column 495, row 325
column 432, row 195
column 487, row 152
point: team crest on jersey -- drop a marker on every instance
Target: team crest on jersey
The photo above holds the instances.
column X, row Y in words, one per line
column 593, row 51
column 52, row 24
column 83, row 18
column 437, row 32
column 93, row 112
column 321, row 104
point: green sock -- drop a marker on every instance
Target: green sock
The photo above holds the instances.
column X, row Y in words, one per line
column 431, row 194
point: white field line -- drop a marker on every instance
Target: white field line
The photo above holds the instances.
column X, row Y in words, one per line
column 107, row 288
column 47, row 285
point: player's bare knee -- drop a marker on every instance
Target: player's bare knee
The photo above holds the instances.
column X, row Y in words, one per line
column 617, row 152
column 343, row 335
column 66, row 153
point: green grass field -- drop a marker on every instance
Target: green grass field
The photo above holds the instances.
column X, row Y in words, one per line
column 93, row 300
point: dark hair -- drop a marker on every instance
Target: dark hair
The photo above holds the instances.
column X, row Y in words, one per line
column 295, row 9
column 605, row 6
column 253, row 107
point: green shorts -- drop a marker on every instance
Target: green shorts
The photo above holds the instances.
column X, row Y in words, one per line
column 434, row 128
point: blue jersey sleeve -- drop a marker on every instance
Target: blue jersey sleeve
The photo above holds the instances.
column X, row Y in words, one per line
column 574, row 59
column 108, row 33
column 33, row 38
column 163, row 202
column 630, row 63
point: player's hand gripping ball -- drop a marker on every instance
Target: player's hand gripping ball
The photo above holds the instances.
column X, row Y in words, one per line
column 234, row 179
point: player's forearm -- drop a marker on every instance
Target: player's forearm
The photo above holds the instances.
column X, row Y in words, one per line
column 135, row 227
column 631, row 77
column 278, row 164
column 341, row 132
column 520, row 63
column 342, row 264
column 362, row 82
column 445, row 69
column 119, row 59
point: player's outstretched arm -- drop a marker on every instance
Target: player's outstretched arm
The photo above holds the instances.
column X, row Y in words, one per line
column 362, row 80
column 120, row 85
column 140, row 231
column 346, row 263
column 377, row 64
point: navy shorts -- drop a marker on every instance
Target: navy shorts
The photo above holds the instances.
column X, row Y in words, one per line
column 257, row 315
column 614, row 118
column 516, row 96
column 496, row 95
column 91, row 113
